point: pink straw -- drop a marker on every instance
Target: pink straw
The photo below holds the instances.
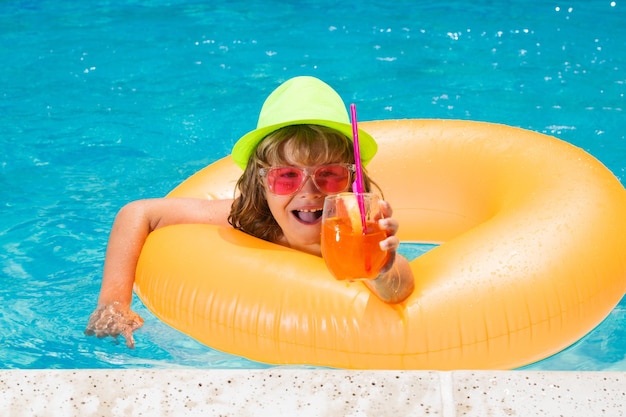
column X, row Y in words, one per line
column 357, row 185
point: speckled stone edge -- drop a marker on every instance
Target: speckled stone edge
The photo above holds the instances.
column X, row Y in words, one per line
column 301, row 393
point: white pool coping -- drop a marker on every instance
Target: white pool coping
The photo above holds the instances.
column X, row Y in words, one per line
column 302, row 393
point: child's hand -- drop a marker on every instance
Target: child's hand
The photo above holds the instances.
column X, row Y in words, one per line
column 390, row 226
column 113, row 320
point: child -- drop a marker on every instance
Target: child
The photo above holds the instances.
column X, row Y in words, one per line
column 300, row 152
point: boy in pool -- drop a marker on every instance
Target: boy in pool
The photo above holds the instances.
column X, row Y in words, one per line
column 304, row 129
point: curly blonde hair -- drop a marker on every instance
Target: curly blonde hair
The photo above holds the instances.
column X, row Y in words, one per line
column 308, row 145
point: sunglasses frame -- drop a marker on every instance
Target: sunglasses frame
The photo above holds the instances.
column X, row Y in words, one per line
column 307, row 172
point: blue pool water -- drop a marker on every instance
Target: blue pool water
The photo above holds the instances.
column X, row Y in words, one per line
column 105, row 102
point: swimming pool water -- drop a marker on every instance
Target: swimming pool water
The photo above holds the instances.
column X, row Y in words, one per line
column 105, row 102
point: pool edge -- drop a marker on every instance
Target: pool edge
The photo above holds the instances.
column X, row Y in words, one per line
column 286, row 391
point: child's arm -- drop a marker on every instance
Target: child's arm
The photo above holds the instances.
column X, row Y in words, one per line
column 132, row 225
column 396, row 282
column 395, row 285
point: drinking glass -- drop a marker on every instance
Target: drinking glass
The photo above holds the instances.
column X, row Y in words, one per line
column 350, row 252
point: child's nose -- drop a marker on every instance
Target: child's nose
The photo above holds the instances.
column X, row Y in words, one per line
column 309, row 186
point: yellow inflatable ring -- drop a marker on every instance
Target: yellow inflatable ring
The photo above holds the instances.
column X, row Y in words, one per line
column 532, row 233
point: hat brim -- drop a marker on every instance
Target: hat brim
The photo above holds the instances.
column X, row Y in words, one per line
column 246, row 145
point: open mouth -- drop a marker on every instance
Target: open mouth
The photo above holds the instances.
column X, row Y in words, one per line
column 308, row 216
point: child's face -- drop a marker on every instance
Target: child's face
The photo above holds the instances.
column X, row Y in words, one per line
column 300, row 215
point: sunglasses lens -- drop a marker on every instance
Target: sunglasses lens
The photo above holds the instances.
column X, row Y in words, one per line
column 284, row 181
column 332, row 179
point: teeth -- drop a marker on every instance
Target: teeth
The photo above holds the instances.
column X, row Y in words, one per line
column 308, row 215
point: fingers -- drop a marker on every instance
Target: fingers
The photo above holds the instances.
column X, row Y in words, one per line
column 390, row 226
column 133, row 324
column 391, row 244
column 128, row 335
column 110, row 320
column 387, row 223
column 385, row 208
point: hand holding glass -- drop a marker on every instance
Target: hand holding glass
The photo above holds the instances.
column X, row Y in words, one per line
column 350, row 252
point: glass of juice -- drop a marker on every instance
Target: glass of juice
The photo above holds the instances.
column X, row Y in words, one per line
column 349, row 250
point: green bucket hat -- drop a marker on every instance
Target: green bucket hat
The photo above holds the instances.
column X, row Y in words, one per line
column 301, row 100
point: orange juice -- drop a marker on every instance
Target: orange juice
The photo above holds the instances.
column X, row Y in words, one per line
column 351, row 255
